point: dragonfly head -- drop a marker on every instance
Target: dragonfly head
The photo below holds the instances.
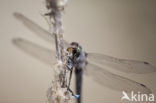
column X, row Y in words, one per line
column 74, row 48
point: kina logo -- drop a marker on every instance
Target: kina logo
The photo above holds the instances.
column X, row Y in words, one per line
column 137, row 97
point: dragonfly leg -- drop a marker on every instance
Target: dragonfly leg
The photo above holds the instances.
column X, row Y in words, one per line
column 71, row 71
column 68, row 86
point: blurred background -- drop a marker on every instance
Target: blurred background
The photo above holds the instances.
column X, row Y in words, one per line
column 120, row 28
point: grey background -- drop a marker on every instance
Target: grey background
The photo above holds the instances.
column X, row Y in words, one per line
column 120, row 28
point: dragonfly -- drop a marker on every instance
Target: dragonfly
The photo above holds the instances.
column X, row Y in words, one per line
column 97, row 64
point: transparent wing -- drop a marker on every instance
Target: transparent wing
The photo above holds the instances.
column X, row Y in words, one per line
column 42, row 33
column 124, row 65
column 113, row 81
column 128, row 66
column 45, row 55
column 100, row 75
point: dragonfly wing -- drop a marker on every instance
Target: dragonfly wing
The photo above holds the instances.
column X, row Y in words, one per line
column 102, row 76
column 124, row 65
column 43, row 54
column 113, row 81
column 42, row 33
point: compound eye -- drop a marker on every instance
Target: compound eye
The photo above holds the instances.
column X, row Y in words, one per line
column 69, row 49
